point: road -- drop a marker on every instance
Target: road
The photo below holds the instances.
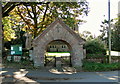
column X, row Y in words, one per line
column 52, row 75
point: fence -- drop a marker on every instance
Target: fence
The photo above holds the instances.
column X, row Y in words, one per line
column 114, row 53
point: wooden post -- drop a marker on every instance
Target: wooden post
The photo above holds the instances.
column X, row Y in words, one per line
column 70, row 61
column 45, row 61
column 55, row 61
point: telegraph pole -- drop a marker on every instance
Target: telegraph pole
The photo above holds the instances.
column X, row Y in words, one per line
column 109, row 31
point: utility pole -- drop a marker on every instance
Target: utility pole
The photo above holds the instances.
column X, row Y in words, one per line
column 109, row 31
column 119, row 9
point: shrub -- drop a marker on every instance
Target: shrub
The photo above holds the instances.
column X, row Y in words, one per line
column 95, row 56
column 95, row 47
column 93, row 66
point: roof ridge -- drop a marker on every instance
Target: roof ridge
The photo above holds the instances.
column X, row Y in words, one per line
column 58, row 20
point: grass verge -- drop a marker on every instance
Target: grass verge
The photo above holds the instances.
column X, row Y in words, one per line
column 87, row 66
column 93, row 66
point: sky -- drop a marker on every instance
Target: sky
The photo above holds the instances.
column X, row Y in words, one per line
column 98, row 12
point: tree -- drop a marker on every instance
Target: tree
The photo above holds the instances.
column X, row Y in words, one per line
column 95, row 46
column 38, row 16
column 34, row 17
column 116, row 36
column 86, row 35
column 8, row 33
column 7, row 7
column 104, row 31
column 0, row 32
column 115, row 31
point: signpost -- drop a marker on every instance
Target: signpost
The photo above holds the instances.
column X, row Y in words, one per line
column 16, row 52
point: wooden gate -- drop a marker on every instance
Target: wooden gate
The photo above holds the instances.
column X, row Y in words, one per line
column 51, row 61
column 66, row 61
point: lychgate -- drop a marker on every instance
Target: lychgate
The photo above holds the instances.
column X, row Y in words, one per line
column 58, row 31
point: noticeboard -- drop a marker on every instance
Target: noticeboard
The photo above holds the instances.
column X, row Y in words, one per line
column 16, row 49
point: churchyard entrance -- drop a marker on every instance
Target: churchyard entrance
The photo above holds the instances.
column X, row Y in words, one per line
column 52, row 40
column 57, row 54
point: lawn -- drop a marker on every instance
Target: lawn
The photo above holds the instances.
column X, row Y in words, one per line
column 57, row 54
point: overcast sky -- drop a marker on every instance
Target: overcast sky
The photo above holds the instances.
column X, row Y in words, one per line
column 98, row 12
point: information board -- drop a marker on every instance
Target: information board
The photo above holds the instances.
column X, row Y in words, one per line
column 16, row 49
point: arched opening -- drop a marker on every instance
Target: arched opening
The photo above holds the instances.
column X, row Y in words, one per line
column 58, row 53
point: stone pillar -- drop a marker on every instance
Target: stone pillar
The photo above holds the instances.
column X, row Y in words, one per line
column 38, row 54
column 38, row 61
column 77, row 56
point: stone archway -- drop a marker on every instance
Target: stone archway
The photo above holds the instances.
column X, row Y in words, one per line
column 58, row 31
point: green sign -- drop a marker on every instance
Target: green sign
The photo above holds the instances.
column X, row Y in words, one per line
column 16, row 49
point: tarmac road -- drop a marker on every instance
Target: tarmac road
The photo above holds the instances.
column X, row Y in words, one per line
column 8, row 75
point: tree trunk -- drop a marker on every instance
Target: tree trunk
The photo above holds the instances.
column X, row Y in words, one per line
column 0, row 32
